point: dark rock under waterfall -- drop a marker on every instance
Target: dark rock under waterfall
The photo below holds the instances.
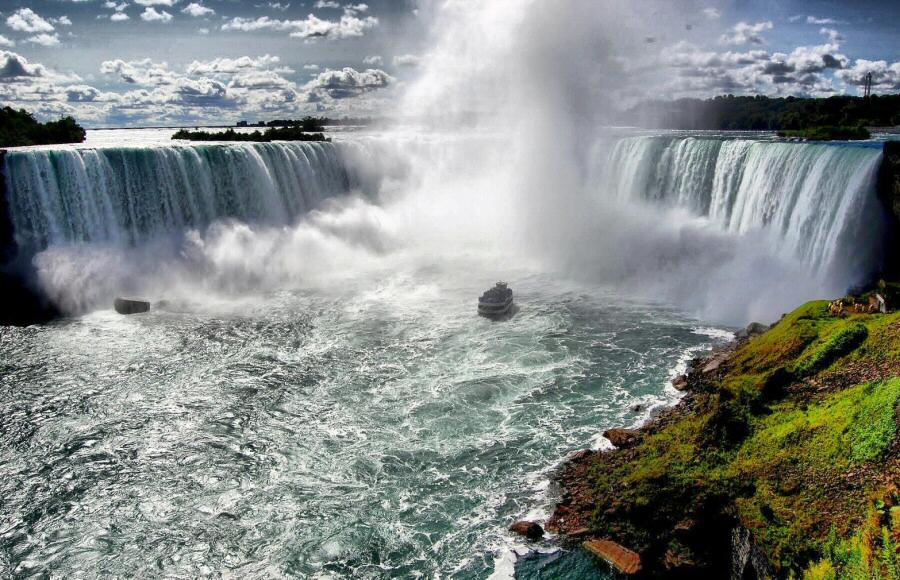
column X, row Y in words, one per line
column 889, row 177
column 21, row 304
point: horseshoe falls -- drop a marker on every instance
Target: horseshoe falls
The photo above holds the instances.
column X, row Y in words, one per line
column 814, row 198
column 313, row 395
column 816, row 202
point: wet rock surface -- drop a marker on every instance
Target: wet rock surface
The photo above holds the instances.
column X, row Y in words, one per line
column 531, row 530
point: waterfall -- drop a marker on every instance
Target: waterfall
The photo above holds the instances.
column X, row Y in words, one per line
column 128, row 194
column 816, row 200
column 717, row 221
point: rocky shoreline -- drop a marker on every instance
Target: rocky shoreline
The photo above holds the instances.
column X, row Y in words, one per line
column 781, row 459
column 572, row 516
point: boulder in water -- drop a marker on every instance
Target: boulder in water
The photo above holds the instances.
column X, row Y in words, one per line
column 531, row 530
column 623, row 438
column 131, row 305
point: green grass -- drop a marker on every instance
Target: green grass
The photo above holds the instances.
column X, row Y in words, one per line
column 855, row 425
column 843, row 339
column 791, row 468
column 870, row 553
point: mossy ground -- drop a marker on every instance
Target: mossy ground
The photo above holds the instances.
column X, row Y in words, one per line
column 795, row 438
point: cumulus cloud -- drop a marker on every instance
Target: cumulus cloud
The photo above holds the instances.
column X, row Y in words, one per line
column 256, row 79
column 156, row 2
column 311, row 27
column 326, row 4
column 712, row 13
column 746, row 33
column 34, row 86
column 232, row 66
column 885, row 77
column 119, row 17
column 150, row 14
column 407, row 60
column 27, row 20
column 373, row 60
column 81, row 94
column 814, row 20
column 6, row 42
column 202, row 91
column 275, row 6
column 44, row 39
column 139, row 72
column 807, row 70
column 197, row 10
column 833, row 35
column 14, row 66
column 355, row 8
column 348, row 82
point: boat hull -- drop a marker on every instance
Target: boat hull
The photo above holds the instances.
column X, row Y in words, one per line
column 493, row 310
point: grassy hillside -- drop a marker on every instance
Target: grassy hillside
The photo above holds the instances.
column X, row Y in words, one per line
column 793, row 437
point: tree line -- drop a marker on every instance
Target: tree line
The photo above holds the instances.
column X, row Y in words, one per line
column 760, row 113
column 19, row 128
column 271, row 134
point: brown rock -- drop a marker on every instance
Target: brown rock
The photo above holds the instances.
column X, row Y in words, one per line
column 617, row 556
column 675, row 561
column 581, row 455
column 530, row 530
column 715, row 362
column 623, row 438
column 578, row 533
column 680, row 383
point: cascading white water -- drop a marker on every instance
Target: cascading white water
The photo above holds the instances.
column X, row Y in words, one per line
column 805, row 216
column 125, row 195
column 816, row 200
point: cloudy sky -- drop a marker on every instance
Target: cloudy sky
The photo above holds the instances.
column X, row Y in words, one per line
column 163, row 62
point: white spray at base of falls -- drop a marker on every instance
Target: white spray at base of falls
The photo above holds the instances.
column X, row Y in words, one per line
column 730, row 229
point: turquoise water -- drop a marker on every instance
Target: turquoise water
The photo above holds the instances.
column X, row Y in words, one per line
column 379, row 430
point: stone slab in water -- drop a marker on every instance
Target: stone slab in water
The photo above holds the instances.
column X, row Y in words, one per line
column 131, row 305
column 617, row 556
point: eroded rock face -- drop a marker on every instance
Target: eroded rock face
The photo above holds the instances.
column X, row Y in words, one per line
column 623, row 438
column 531, row 530
column 747, row 561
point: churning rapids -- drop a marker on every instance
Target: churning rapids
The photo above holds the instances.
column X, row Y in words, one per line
column 313, row 394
